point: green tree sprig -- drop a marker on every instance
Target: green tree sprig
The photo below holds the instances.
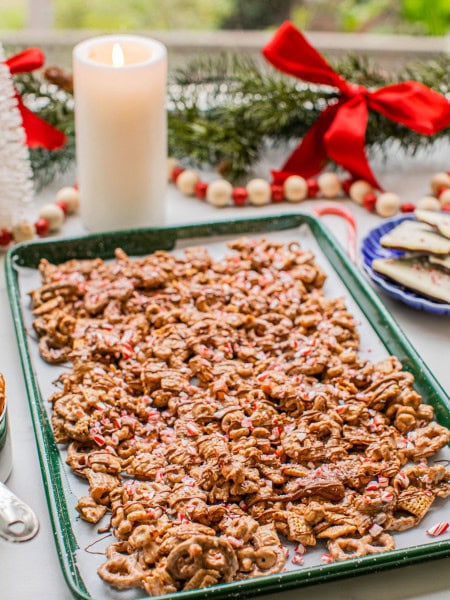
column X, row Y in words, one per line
column 223, row 111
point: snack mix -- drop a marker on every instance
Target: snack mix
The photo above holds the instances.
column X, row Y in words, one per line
column 216, row 408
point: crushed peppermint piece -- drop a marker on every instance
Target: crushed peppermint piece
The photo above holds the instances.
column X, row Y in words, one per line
column 192, row 428
column 188, row 480
column 438, row 529
column 160, row 476
column 326, row 558
column 372, row 485
column 386, row 496
column 127, row 350
column 300, row 549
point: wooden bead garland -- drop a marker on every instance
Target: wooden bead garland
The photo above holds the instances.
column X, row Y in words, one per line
column 444, row 197
column 172, row 164
column 429, row 203
column 358, row 189
column 387, row 204
column 295, row 188
column 186, row 182
column 70, row 197
column 23, row 231
column 329, row 185
column 438, row 181
column 50, row 220
column 259, row 192
column 54, row 214
column 219, row 192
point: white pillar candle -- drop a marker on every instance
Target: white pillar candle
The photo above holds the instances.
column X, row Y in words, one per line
column 121, row 131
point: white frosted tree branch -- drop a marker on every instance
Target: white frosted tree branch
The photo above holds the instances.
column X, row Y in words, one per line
column 16, row 185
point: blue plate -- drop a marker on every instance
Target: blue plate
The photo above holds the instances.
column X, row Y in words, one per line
column 371, row 249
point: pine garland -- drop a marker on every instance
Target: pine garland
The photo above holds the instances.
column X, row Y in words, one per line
column 223, row 111
column 56, row 106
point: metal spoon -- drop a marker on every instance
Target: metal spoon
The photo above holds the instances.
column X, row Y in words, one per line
column 18, row 523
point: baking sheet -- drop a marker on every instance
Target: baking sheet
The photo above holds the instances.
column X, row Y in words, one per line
column 411, row 545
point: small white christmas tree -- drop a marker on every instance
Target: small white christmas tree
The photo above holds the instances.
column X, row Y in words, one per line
column 16, row 186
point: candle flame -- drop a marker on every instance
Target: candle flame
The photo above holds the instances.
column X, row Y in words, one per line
column 118, row 59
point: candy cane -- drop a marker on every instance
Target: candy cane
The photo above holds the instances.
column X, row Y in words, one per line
column 345, row 213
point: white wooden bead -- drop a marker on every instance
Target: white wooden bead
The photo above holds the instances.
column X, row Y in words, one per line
column 439, row 180
column 186, row 182
column 358, row 190
column 71, row 198
column 54, row 215
column 295, row 188
column 329, row 185
column 444, row 198
column 387, row 204
column 171, row 164
column 218, row 193
column 259, row 192
column 23, row 231
column 429, row 203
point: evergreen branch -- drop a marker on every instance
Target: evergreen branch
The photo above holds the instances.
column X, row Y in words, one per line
column 233, row 94
column 57, row 107
column 224, row 110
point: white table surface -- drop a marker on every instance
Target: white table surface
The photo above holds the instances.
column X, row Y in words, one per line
column 31, row 570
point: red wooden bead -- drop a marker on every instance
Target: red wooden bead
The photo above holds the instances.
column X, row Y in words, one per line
column 446, row 208
column 42, row 227
column 175, row 172
column 63, row 206
column 407, row 207
column 313, row 187
column 346, row 185
column 200, row 189
column 277, row 192
column 369, row 201
column 5, row 237
column 239, row 196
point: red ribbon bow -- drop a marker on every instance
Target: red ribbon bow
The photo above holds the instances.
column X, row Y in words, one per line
column 339, row 132
column 38, row 132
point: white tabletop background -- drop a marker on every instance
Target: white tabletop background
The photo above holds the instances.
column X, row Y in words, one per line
column 31, row 570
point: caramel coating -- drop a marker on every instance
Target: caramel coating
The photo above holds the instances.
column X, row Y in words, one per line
column 214, row 405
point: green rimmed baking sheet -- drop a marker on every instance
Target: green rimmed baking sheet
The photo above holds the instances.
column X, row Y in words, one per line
column 379, row 333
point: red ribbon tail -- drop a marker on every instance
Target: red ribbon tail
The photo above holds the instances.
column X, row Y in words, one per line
column 310, row 156
column 38, row 132
column 345, row 139
column 28, row 60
